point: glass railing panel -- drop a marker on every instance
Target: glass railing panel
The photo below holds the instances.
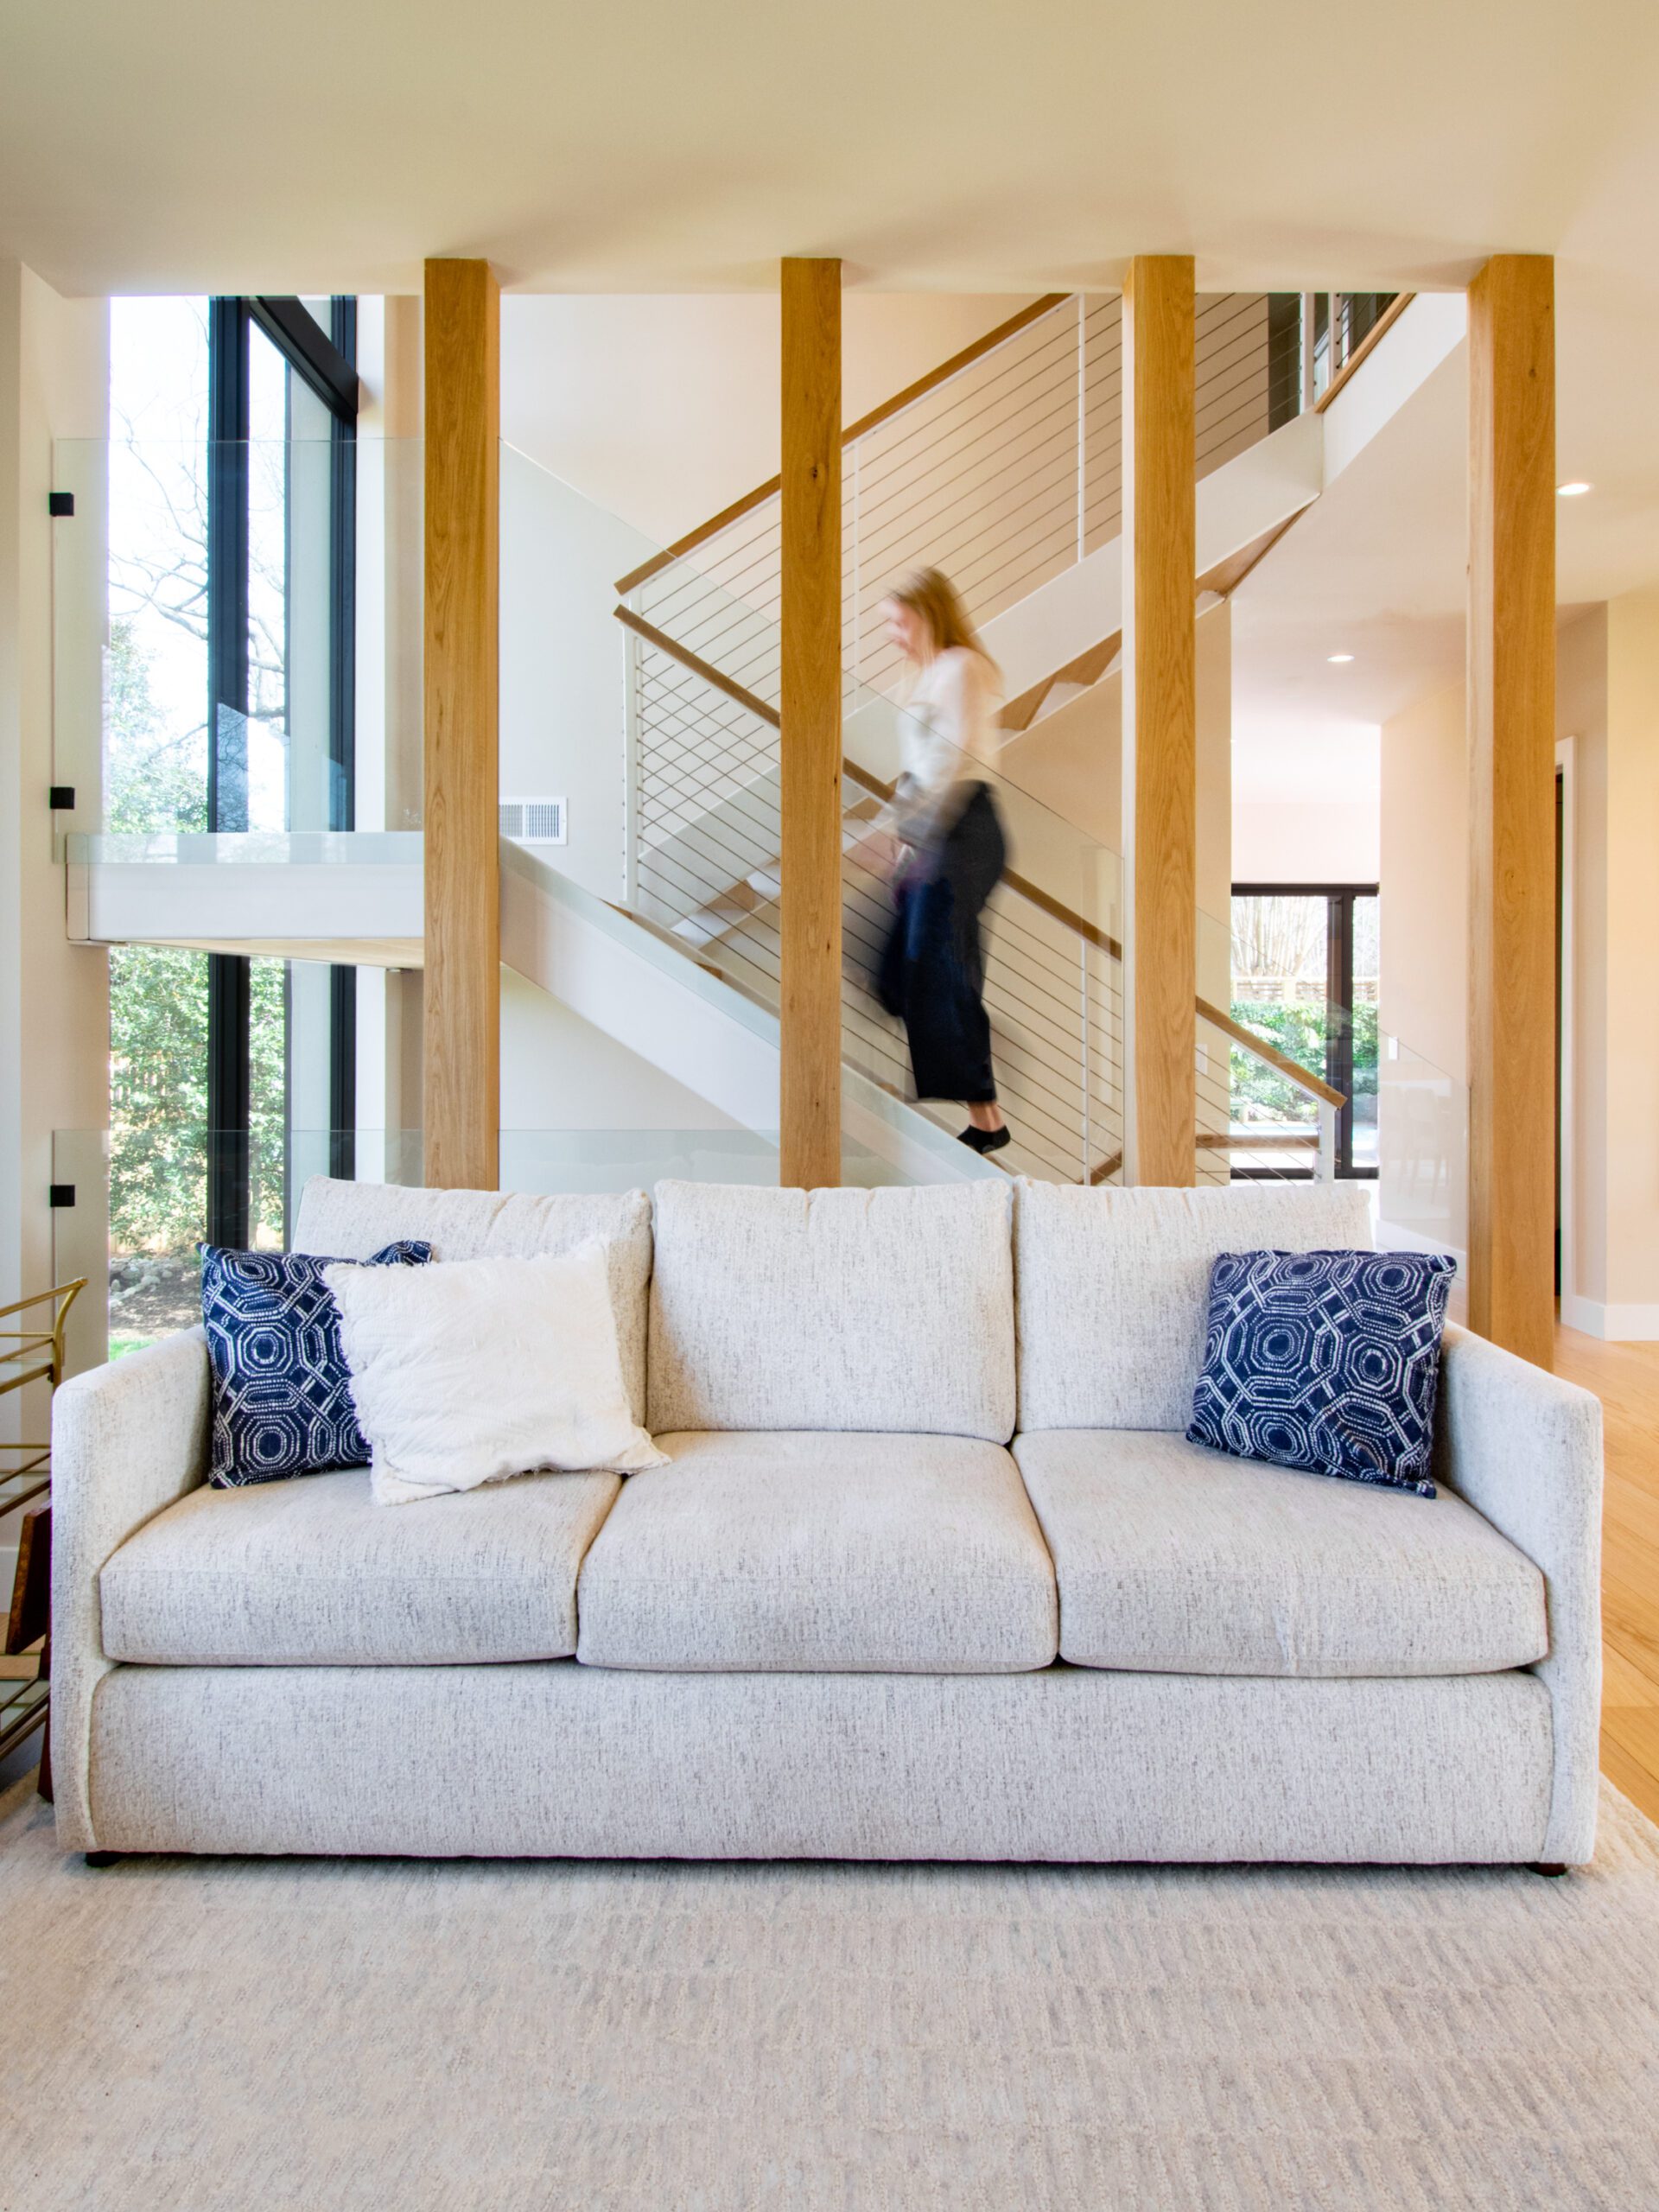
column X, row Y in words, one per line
column 1422, row 1152
column 251, row 849
column 322, row 729
column 1257, row 1121
column 597, row 1161
column 1403, row 1124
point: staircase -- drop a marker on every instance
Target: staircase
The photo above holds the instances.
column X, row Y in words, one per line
column 1002, row 469
column 1002, row 466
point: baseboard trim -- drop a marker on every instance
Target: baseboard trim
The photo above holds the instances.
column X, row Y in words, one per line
column 1618, row 1324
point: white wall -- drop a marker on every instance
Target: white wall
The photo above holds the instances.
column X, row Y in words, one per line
column 664, row 408
column 1213, row 698
column 1607, row 703
column 53, row 996
column 564, row 701
column 1423, row 987
column 1422, row 1075
column 559, row 1072
column 389, row 704
column 1297, row 840
column 1581, row 741
column 1306, row 803
column 389, row 560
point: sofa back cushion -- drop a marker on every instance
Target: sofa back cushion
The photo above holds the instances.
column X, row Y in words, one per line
column 839, row 1310
column 348, row 1221
column 1112, row 1288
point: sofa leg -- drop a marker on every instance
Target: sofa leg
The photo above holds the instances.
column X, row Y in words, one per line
column 1545, row 1866
column 103, row 1857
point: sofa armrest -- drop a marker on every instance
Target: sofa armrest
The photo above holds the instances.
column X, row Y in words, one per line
column 1525, row 1449
column 127, row 1439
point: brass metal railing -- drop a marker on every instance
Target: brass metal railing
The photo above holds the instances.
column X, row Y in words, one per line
column 30, row 1354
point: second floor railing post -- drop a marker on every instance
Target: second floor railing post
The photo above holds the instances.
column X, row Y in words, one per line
column 631, row 762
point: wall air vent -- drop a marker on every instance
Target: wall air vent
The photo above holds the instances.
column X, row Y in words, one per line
column 533, row 820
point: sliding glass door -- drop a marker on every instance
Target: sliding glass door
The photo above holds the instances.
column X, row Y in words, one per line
column 1304, row 977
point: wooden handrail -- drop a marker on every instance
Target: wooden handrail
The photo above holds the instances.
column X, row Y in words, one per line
column 1384, row 322
column 697, row 665
column 1304, row 1078
column 919, row 390
column 899, row 401
column 1259, row 1139
column 1019, row 884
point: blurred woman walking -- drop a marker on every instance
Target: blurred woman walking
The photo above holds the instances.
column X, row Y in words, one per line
column 952, row 853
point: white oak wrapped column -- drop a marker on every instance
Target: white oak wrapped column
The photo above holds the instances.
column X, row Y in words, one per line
column 1512, row 804
column 810, row 743
column 1160, row 745
column 462, row 996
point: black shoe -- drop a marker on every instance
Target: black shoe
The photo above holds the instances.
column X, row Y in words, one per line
column 984, row 1141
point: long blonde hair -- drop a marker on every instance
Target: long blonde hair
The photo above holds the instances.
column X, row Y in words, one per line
column 932, row 597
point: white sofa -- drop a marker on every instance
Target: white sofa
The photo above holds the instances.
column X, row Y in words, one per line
column 932, row 1572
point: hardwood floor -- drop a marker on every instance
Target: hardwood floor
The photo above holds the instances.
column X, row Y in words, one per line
column 1625, row 1378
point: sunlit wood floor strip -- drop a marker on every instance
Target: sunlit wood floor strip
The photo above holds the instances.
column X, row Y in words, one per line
column 1625, row 1378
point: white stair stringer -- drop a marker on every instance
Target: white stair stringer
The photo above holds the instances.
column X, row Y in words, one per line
column 651, row 994
column 1039, row 1067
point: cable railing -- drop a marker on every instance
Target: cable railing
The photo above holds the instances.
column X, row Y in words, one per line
column 705, row 839
column 705, row 869
column 1337, row 330
column 1293, row 1140
column 1003, row 467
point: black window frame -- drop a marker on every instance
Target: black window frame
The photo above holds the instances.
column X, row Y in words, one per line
column 326, row 361
column 1338, row 1070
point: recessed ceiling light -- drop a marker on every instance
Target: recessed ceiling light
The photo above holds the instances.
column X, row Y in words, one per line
column 1572, row 491
column 1335, row 659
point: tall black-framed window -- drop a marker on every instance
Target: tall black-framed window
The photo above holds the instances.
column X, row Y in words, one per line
column 281, row 624
column 1304, row 977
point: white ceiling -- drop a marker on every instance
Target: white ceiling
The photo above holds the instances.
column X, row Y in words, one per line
column 1375, row 567
column 220, row 144
column 195, row 145
column 1378, row 568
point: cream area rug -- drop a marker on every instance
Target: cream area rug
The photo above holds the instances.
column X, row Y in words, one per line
column 246, row 2036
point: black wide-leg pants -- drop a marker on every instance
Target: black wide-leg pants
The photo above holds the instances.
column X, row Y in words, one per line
column 933, row 971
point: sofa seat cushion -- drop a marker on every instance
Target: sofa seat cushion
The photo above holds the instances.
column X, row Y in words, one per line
column 314, row 1573
column 1172, row 1558
column 780, row 1550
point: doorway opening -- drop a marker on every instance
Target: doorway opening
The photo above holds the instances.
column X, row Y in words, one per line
column 1304, row 977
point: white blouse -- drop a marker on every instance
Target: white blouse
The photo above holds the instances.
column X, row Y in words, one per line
column 948, row 735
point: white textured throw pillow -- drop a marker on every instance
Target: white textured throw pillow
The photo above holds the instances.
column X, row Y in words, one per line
column 500, row 1368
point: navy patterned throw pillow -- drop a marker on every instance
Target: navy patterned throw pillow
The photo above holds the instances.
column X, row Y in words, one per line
column 1327, row 1360
column 281, row 1389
